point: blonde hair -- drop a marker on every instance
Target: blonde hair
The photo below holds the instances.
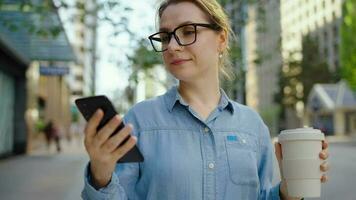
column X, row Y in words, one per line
column 217, row 16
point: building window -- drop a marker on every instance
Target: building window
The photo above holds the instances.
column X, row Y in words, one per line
column 325, row 36
column 79, row 78
column 336, row 49
column 334, row 16
column 336, row 62
column 335, row 32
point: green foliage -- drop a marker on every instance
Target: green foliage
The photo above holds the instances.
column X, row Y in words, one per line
column 348, row 43
column 40, row 10
column 43, row 8
column 289, row 78
column 297, row 77
column 143, row 59
column 314, row 68
column 40, row 125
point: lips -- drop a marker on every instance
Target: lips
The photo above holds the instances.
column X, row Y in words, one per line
column 179, row 61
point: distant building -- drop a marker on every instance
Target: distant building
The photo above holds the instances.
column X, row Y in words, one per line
column 321, row 19
column 263, row 60
column 274, row 32
column 45, row 87
column 13, row 66
column 332, row 108
column 85, row 45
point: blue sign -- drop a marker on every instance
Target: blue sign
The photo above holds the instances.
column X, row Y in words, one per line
column 53, row 71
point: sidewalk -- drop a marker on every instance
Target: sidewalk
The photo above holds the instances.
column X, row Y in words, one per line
column 73, row 146
column 43, row 173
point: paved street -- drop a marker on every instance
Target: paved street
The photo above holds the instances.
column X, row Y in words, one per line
column 44, row 175
column 342, row 184
column 59, row 176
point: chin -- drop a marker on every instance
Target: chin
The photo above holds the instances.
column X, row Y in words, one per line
column 184, row 77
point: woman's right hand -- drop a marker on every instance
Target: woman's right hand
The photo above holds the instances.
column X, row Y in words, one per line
column 103, row 150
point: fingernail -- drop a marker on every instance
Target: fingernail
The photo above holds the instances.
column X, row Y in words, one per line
column 130, row 125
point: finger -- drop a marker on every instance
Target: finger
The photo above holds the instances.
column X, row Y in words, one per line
column 126, row 147
column 325, row 144
column 324, row 167
column 324, row 178
column 90, row 128
column 324, row 154
column 115, row 141
column 278, row 150
column 105, row 132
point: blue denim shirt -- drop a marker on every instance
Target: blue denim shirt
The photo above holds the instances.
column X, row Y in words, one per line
column 227, row 156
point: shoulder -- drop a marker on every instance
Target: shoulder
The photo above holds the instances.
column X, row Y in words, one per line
column 147, row 113
column 248, row 118
column 147, row 106
column 246, row 113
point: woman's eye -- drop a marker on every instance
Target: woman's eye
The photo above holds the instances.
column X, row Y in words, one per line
column 188, row 32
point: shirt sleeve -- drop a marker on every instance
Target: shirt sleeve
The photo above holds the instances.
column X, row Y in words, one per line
column 112, row 191
column 122, row 183
column 265, row 166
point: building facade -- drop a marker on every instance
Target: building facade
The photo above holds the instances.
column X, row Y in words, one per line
column 46, row 89
column 274, row 34
column 263, row 60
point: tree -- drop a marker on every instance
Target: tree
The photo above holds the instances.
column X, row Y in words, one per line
column 80, row 11
column 348, row 43
column 297, row 77
column 314, row 68
column 143, row 59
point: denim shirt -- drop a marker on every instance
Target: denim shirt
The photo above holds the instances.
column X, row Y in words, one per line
column 227, row 156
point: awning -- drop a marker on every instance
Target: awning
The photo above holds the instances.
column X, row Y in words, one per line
column 31, row 45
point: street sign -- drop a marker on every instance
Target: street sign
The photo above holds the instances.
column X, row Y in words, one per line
column 54, row 70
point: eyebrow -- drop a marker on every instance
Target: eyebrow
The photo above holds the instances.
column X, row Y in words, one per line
column 183, row 23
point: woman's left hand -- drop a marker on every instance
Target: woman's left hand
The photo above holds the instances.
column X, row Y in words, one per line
column 324, row 167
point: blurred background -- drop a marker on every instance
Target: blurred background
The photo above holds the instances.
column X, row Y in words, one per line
column 295, row 64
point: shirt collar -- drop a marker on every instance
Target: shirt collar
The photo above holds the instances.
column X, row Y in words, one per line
column 173, row 97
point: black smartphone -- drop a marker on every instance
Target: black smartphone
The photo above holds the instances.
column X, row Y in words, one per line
column 89, row 105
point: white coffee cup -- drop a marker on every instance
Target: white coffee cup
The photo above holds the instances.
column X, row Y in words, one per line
column 301, row 162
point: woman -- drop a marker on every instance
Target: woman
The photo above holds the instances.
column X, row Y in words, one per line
column 197, row 143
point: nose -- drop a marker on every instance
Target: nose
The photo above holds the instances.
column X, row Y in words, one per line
column 173, row 44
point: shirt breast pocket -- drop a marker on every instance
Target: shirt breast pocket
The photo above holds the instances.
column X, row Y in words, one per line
column 242, row 161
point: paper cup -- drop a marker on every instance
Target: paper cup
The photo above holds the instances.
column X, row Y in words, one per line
column 301, row 162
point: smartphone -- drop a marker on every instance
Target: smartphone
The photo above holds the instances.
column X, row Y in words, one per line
column 89, row 105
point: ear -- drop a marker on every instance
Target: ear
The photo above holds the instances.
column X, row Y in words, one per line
column 222, row 41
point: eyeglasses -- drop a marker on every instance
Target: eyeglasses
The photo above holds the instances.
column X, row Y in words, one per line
column 184, row 35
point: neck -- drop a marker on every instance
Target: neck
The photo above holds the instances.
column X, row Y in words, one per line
column 200, row 93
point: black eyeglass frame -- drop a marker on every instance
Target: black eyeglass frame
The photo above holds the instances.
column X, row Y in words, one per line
column 214, row 27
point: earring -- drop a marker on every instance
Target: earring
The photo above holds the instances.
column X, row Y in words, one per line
column 220, row 55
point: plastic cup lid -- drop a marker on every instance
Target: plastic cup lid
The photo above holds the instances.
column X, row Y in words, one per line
column 301, row 134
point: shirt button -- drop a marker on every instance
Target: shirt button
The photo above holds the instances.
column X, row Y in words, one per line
column 206, row 129
column 244, row 141
column 211, row 165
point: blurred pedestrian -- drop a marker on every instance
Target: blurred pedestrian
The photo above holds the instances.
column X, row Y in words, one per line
column 52, row 133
